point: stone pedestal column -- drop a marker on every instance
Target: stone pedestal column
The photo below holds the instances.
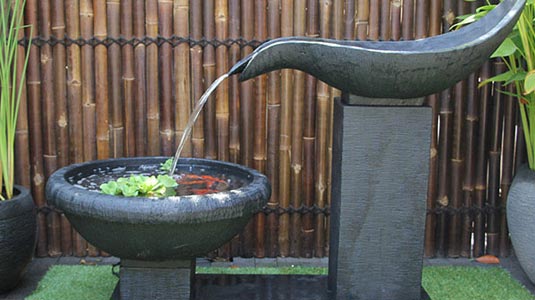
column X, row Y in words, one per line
column 379, row 190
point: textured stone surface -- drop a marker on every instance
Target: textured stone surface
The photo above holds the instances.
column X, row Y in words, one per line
column 18, row 228
column 139, row 228
column 400, row 69
column 380, row 170
column 520, row 218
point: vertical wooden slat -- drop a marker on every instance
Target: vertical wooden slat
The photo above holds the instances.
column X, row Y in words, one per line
column 493, row 192
column 49, row 121
column 349, row 20
column 287, row 16
column 140, row 101
column 296, row 154
column 322, row 142
column 259, row 148
column 385, row 24
column 456, row 174
column 221, row 97
column 273, row 135
column 508, row 146
column 209, row 70
column 165, row 25
column 407, row 27
column 480, row 188
column 374, row 24
column 421, row 19
column 395, row 15
column 247, row 117
column 363, row 15
column 182, row 73
column 101, row 80
column 60, row 87
column 309, row 141
column 152, row 81
column 128, row 79
column 88, row 102
column 196, row 59
column 234, row 85
column 471, row 122
column 115, row 87
column 74, row 98
column 33, row 81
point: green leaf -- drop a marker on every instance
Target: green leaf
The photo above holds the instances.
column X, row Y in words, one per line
column 166, row 166
column 529, row 82
column 167, row 181
column 110, row 188
column 507, row 48
column 503, row 77
column 130, row 191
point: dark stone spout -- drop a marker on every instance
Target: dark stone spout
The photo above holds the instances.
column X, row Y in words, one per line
column 395, row 69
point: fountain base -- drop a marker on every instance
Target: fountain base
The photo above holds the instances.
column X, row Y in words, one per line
column 379, row 191
column 154, row 280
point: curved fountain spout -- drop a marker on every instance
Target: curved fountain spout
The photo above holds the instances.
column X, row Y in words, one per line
column 395, row 69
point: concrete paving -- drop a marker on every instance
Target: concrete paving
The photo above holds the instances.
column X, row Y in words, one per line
column 39, row 267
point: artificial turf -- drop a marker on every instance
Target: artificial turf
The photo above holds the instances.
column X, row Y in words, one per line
column 441, row 283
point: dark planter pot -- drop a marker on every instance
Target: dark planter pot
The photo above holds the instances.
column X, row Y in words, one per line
column 18, row 231
column 521, row 218
column 150, row 229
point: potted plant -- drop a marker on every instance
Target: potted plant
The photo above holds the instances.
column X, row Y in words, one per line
column 17, row 211
column 518, row 54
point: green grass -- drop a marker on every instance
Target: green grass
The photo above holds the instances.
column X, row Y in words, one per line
column 442, row 283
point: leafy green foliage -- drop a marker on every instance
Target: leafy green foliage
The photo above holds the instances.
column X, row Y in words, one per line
column 166, row 166
column 11, row 88
column 518, row 53
column 142, row 186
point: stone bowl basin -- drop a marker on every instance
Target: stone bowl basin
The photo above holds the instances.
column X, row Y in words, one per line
column 158, row 229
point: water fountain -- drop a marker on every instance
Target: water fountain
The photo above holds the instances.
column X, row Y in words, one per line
column 378, row 118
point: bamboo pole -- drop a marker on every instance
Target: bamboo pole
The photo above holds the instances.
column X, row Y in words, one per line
column 407, row 27
column 140, row 83
column 260, row 147
column 287, row 17
column 471, row 122
column 101, row 81
column 60, row 86
column 296, row 137
column 49, row 122
column 395, row 15
column 222, row 98
column 165, row 26
column 322, row 143
column 33, row 81
column 374, row 20
column 209, row 72
column 385, row 21
column 363, row 15
column 74, row 98
column 456, row 173
column 88, row 102
column 494, row 165
column 115, row 87
column 508, row 146
column 234, row 85
column 152, row 82
column 273, row 134
column 349, row 20
column 422, row 19
column 196, row 58
column 480, row 189
column 435, row 17
column 433, row 102
column 309, row 141
column 247, row 118
column 182, row 73
column 128, row 79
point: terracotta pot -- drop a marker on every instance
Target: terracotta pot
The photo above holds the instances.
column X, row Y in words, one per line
column 18, row 232
column 521, row 218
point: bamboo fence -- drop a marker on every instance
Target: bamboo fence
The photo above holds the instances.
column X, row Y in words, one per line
column 119, row 78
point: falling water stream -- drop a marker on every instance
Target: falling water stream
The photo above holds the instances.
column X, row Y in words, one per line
column 193, row 117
